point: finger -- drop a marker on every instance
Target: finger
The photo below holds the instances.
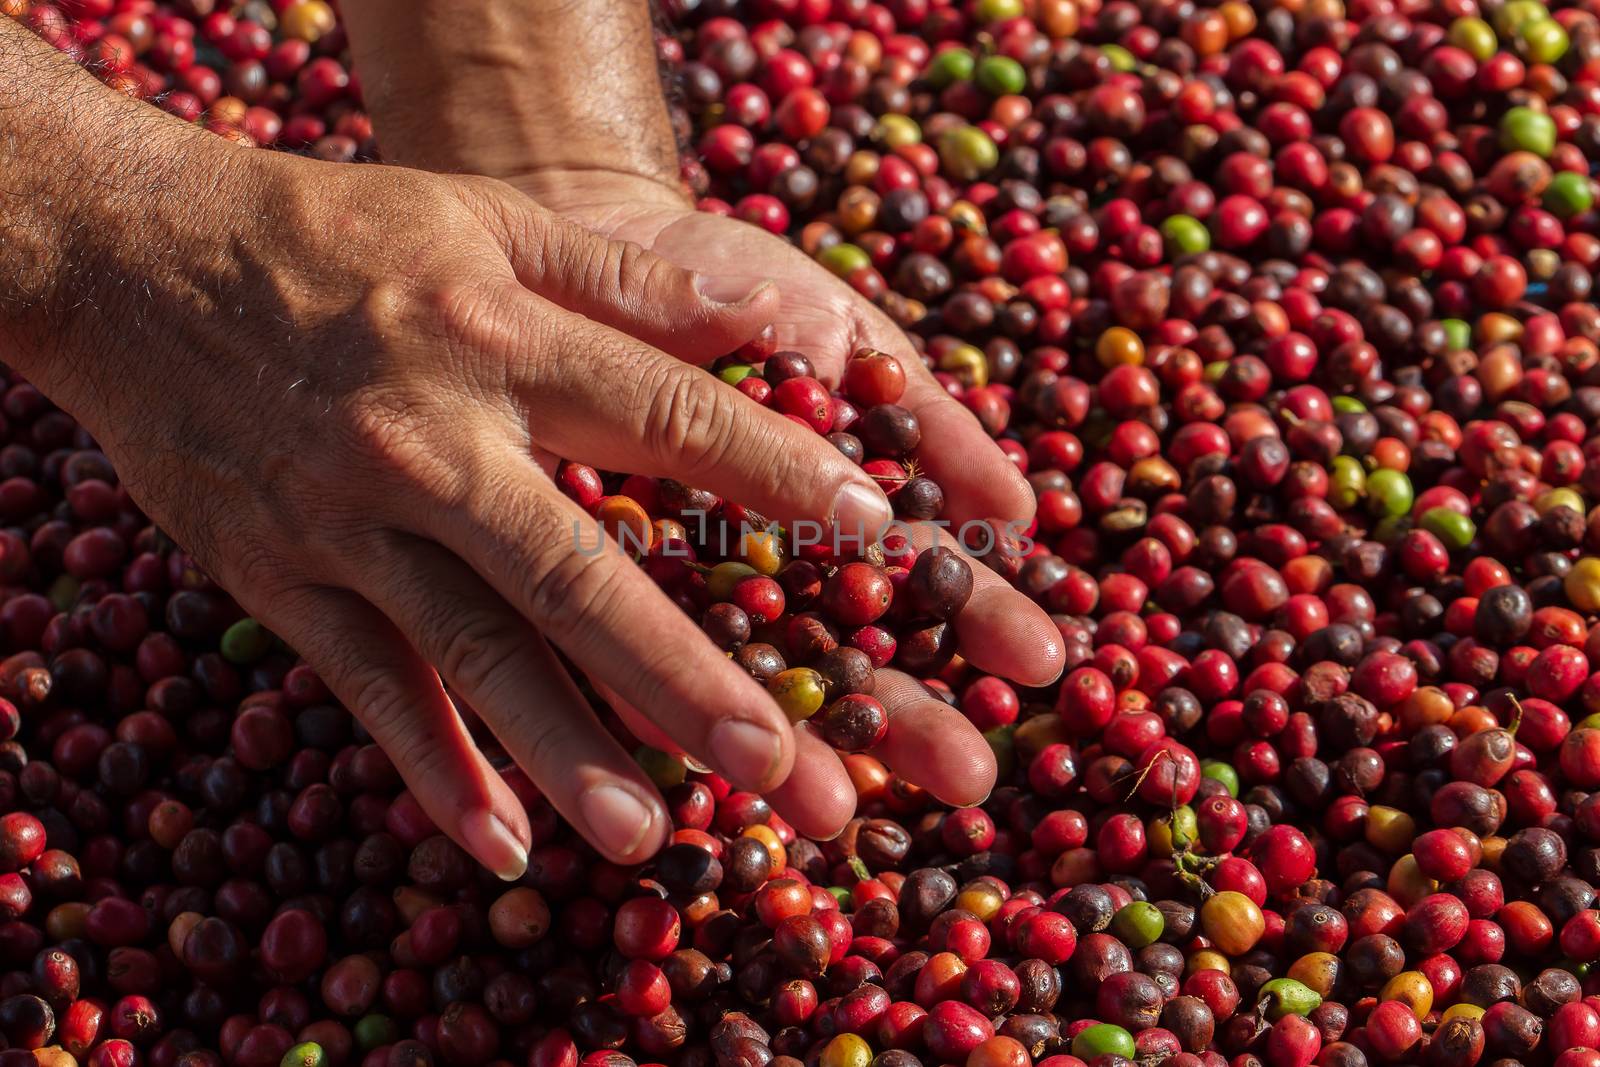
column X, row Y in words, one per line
column 979, row 482
column 400, row 701
column 505, row 671
column 817, row 798
column 931, row 744
column 1001, row 630
column 638, row 723
column 624, row 407
column 693, row 316
column 556, row 568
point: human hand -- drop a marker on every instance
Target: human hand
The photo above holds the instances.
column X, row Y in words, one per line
column 1001, row 631
column 584, row 130
column 356, row 440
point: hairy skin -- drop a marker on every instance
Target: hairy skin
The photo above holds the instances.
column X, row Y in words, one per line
column 577, row 77
column 506, row 103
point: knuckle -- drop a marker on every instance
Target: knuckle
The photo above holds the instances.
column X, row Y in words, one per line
column 382, row 308
column 703, row 430
column 482, row 654
column 660, row 669
column 470, row 320
column 596, row 262
column 381, row 702
column 539, row 740
column 687, row 418
column 385, row 708
column 574, row 597
column 779, row 473
column 640, row 275
column 562, row 249
column 383, row 432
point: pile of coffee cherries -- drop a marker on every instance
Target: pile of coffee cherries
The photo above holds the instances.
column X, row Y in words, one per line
column 259, row 73
column 1284, row 310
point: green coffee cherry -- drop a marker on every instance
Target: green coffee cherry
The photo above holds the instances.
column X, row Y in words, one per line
column 967, row 153
column 1100, row 1039
column 950, row 66
column 1568, row 194
column 1389, row 492
column 245, row 642
column 1347, row 482
column 1475, row 37
column 1285, row 996
column 1221, row 772
column 1185, row 235
column 1450, row 527
column 1138, row 924
column 1523, row 129
column 1000, row 75
column 844, row 259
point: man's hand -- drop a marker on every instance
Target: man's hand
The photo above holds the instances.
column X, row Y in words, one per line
column 561, row 98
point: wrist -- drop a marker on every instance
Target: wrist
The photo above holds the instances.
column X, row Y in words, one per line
column 501, row 89
column 580, row 191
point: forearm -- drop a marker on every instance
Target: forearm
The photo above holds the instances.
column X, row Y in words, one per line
column 89, row 175
column 501, row 86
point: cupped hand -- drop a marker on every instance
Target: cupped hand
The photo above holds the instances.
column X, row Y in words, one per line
column 817, row 314
column 344, row 390
column 1002, row 631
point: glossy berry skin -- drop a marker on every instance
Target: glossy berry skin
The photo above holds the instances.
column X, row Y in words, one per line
column 857, row 594
column 990, row 702
column 760, row 598
column 939, row 584
column 1580, row 936
column 1285, row 857
column 1443, row 854
column 22, row 840
column 807, row 400
column 953, row 1029
column 643, row 989
column 1293, row 1041
column 1047, row 936
column 872, row 378
column 1392, row 1029
column 1087, row 701
column 854, row 723
column 647, row 929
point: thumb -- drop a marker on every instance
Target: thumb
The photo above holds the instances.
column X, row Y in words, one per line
column 690, row 315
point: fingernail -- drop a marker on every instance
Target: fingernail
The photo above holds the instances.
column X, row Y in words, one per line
column 745, row 752
column 861, row 511
column 492, row 842
column 617, row 820
column 722, row 289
